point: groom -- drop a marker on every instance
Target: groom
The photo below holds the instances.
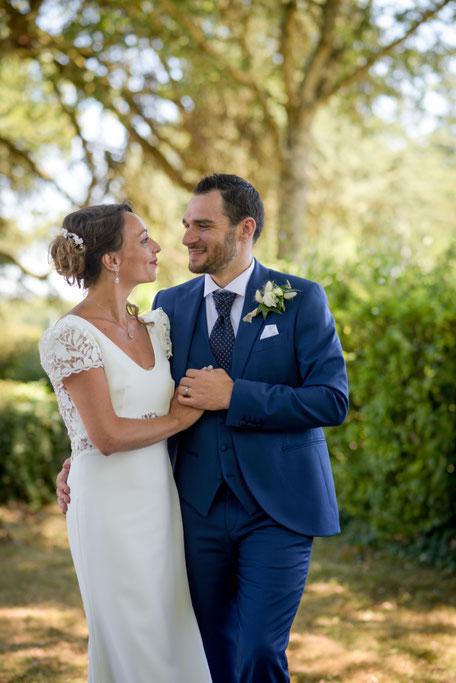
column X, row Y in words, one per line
column 253, row 473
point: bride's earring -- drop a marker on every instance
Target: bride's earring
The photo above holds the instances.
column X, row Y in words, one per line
column 117, row 277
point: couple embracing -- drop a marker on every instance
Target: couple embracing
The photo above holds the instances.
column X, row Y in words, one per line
column 192, row 539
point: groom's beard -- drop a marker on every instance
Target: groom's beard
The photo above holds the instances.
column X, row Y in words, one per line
column 222, row 255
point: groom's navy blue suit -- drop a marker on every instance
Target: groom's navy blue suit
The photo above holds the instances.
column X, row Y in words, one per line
column 255, row 481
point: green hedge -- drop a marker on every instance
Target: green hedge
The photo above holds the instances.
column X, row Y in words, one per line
column 33, row 442
column 19, row 356
column 395, row 457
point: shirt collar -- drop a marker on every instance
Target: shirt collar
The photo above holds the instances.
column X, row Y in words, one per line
column 238, row 285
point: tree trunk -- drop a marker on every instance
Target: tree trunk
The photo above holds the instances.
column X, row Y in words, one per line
column 293, row 190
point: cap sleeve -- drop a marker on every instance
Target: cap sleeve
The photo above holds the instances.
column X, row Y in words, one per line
column 67, row 349
column 161, row 321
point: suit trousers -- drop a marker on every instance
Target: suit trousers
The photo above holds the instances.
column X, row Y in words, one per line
column 246, row 575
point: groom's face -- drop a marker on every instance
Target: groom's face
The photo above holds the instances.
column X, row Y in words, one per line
column 209, row 237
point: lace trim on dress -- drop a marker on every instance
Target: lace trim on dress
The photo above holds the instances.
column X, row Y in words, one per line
column 163, row 331
column 159, row 317
column 82, row 444
column 67, row 349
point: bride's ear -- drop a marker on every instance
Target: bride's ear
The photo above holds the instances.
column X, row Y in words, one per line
column 111, row 260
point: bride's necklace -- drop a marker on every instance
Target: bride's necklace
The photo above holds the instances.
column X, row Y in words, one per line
column 125, row 329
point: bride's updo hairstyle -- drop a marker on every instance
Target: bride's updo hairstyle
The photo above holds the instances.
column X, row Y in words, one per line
column 87, row 235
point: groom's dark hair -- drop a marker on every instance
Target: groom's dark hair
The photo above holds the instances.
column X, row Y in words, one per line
column 240, row 199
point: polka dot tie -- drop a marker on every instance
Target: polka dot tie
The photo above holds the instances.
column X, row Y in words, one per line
column 222, row 336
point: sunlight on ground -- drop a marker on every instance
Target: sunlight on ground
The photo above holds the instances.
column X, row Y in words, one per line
column 43, row 634
column 43, row 643
column 344, row 632
column 368, row 619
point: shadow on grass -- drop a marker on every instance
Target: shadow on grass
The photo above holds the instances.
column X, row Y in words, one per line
column 44, row 638
column 44, row 671
column 364, row 617
column 42, row 627
column 31, row 575
column 372, row 617
column 376, row 577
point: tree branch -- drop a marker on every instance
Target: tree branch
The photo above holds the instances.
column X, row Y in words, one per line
column 7, row 259
column 22, row 30
column 357, row 74
column 319, row 59
column 137, row 109
column 71, row 113
column 174, row 174
column 194, row 134
column 24, row 158
column 108, row 102
column 198, row 36
column 35, row 6
column 286, row 50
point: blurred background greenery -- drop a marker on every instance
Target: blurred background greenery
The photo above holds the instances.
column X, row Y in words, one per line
column 341, row 113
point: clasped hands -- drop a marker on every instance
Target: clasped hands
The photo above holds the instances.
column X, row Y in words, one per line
column 206, row 389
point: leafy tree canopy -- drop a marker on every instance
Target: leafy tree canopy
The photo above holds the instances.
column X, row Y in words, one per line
column 203, row 85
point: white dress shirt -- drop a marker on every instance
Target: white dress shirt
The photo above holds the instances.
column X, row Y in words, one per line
column 238, row 286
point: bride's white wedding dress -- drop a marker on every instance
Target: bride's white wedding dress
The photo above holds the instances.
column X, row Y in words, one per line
column 124, row 522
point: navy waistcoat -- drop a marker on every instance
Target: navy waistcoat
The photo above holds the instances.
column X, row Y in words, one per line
column 208, row 441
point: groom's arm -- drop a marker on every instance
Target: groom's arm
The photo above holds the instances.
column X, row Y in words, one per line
column 322, row 397
column 320, row 400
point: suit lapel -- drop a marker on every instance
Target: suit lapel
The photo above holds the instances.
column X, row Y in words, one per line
column 185, row 317
column 248, row 332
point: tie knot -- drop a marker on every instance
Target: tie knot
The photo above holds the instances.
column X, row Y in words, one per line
column 223, row 302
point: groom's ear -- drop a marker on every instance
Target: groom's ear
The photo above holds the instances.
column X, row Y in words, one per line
column 246, row 229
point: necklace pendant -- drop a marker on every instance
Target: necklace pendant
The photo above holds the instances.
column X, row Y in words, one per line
column 130, row 336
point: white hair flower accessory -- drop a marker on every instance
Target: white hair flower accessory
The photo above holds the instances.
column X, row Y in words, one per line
column 271, row 299
column 79, row 242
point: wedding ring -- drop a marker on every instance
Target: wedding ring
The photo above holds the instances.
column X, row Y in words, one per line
column 186, row 390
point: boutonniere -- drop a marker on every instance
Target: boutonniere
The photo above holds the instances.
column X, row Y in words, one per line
column 271, row 299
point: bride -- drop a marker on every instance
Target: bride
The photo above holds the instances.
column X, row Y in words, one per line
column 110, row 372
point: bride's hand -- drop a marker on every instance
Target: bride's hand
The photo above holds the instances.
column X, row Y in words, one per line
column 186, row 415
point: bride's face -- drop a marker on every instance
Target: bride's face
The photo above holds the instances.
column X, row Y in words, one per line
column 138, row 254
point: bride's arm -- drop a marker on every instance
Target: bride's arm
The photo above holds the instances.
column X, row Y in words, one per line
column 110, row 433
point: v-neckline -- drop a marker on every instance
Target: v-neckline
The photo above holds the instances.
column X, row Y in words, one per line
column 72, row 315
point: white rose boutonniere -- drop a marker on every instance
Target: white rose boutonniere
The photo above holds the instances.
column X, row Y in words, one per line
column 271, row 299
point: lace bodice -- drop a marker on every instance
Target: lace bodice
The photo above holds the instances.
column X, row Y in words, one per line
column 74, row 345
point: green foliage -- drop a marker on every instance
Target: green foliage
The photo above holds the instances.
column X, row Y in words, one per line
column 395, row 459
column 33, row 442
column 22, row 323
column 117, row 94
column 379, row 198
column 19, row 357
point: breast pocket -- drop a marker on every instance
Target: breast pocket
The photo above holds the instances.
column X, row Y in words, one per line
column 271, row 343
column 272, row 360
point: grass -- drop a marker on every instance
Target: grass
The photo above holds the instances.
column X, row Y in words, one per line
column 372, row 618
column 364, row 618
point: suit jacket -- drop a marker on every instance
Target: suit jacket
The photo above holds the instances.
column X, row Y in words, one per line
column 286, row 388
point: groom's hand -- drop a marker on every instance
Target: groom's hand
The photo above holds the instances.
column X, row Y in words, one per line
column 206, row 389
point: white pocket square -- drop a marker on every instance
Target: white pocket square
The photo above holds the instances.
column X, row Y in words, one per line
column 269, row 331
